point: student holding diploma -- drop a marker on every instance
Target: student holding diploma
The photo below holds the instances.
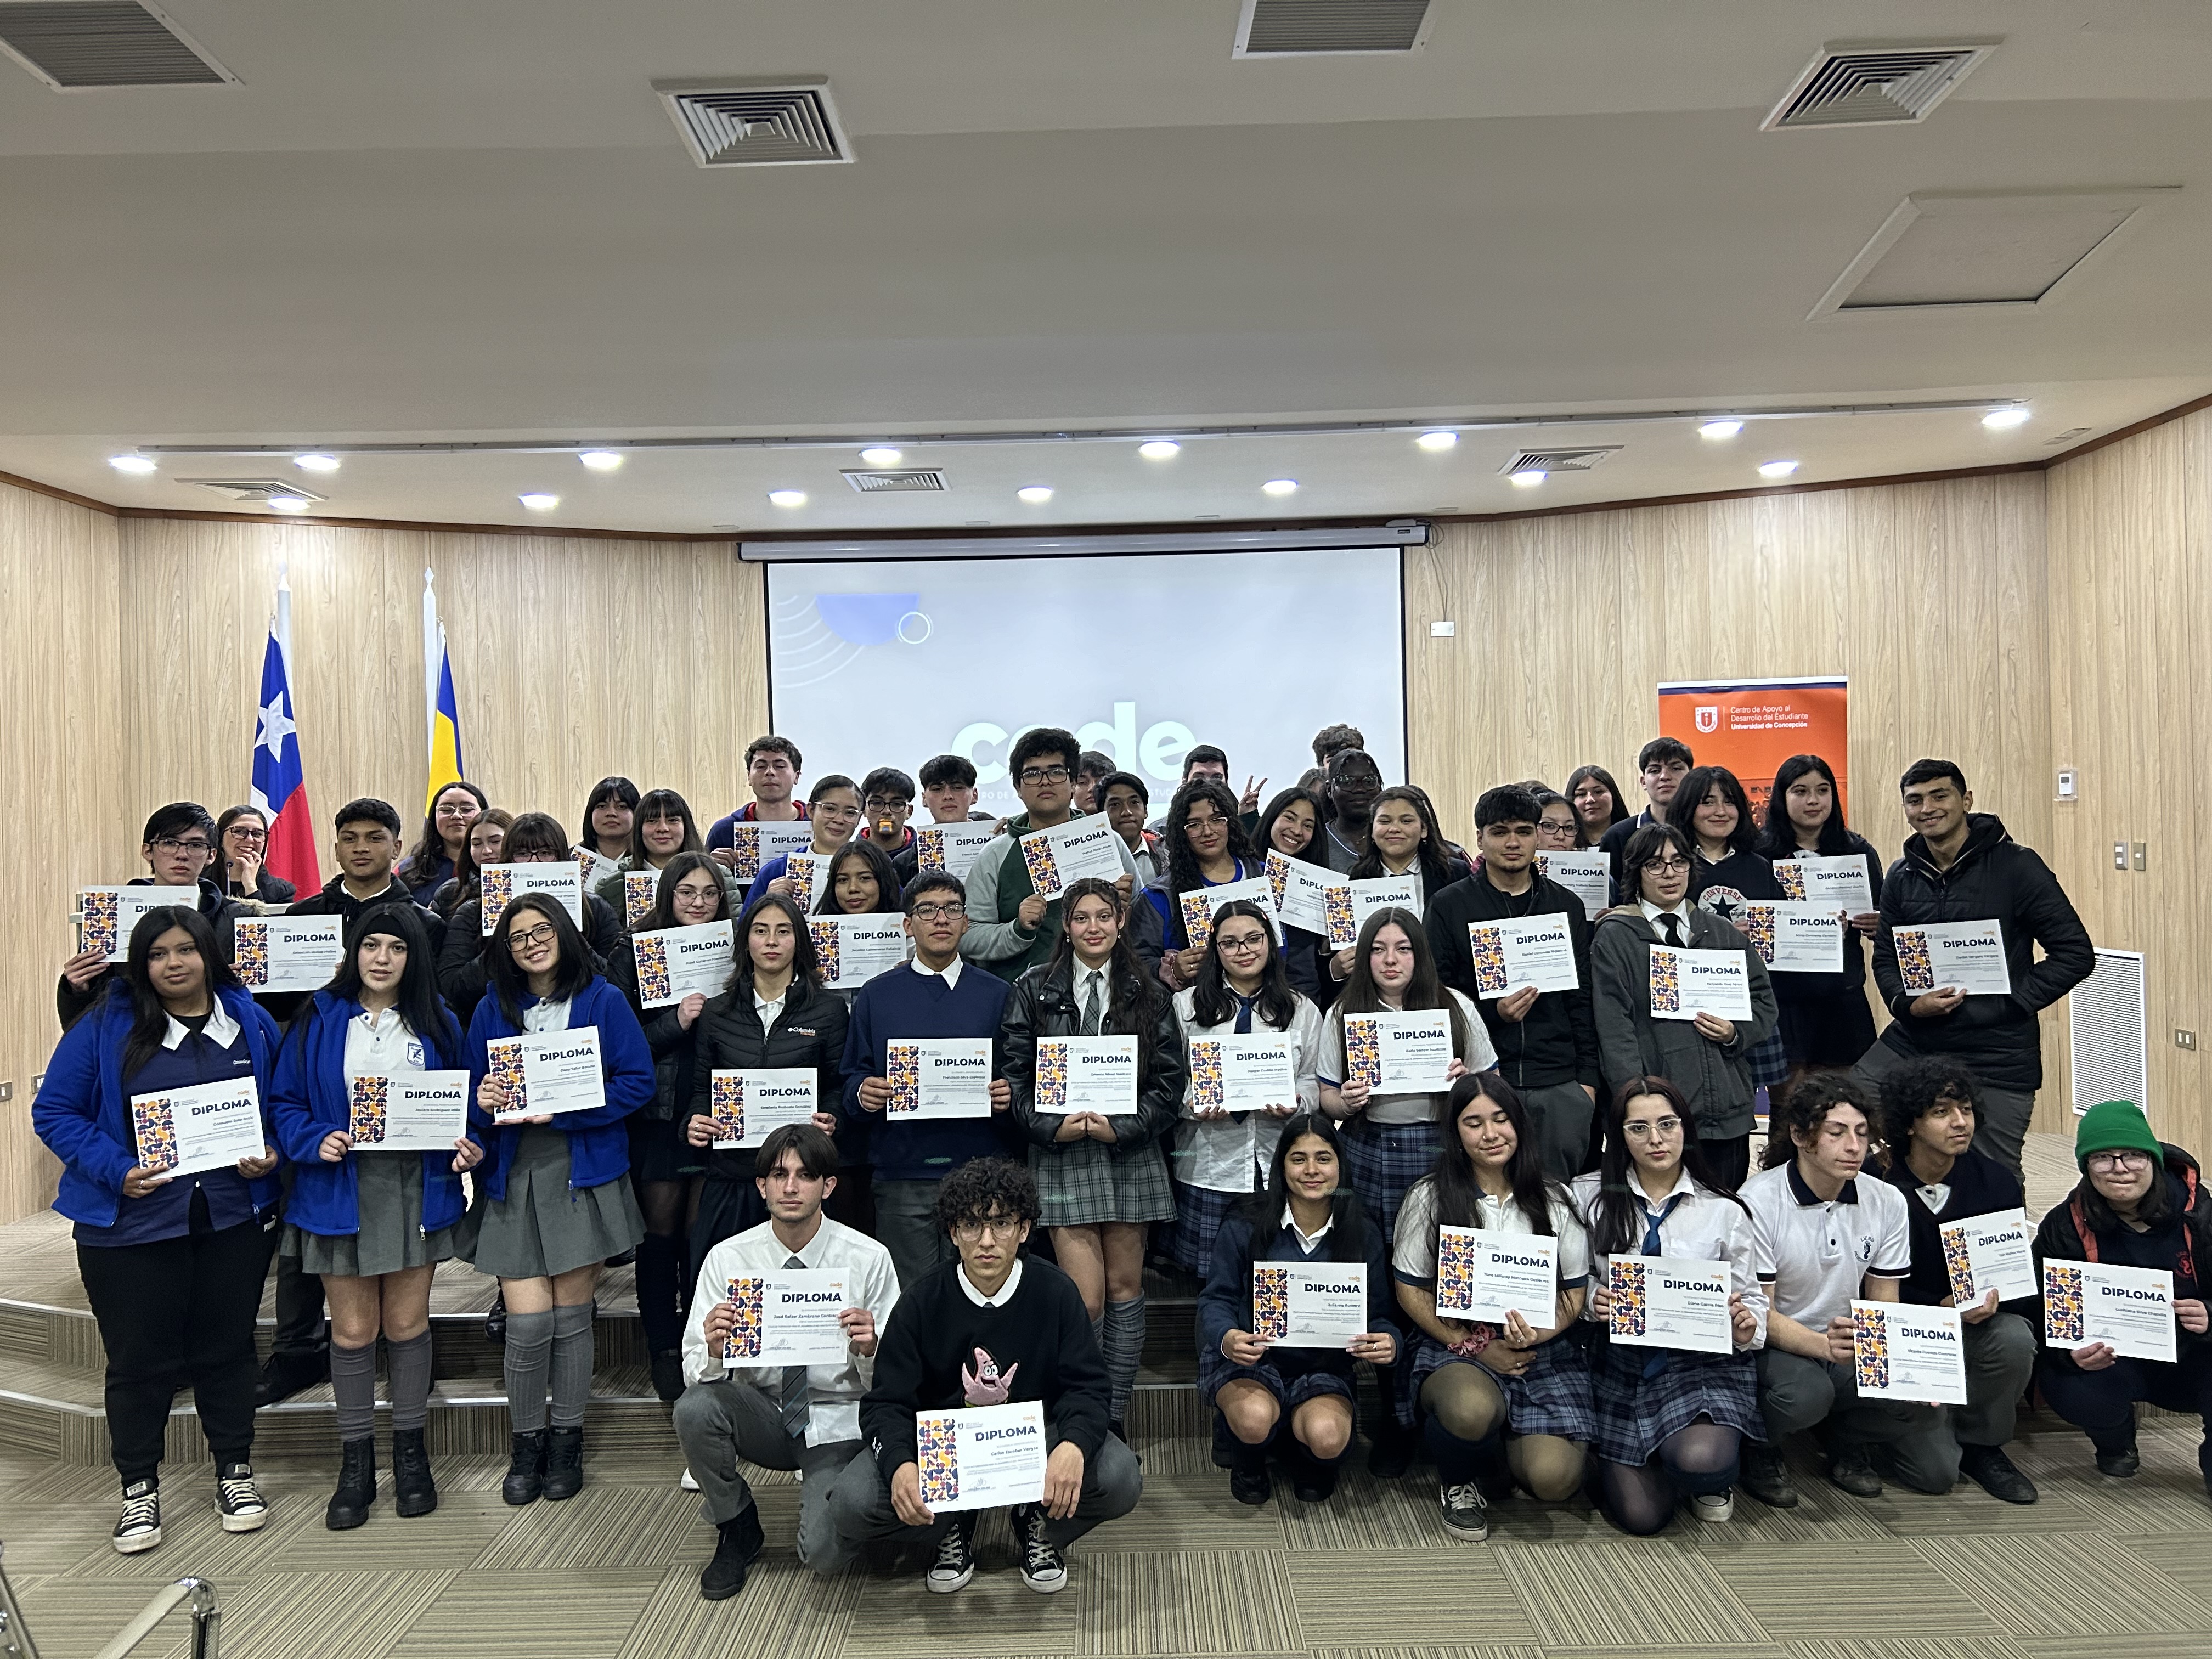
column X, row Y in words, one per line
column 487, row 844
column 1825, row 1019
column 375, row 1223
column 1290, row 830
column 804, row 1417
column 556, row 1185
column 834, row 813
column 1009, row 927
column 1501, row 1404
column 1205, row 848
column 661, row 828
column 1729, row 872
column 1957, row 1196
column 992, row 1331
column 1706, row 1057
column 1404, row 841
column 1101, row 1176
column 178, row 845
column 1305, row 1214
column 174, row 1223
column 468, row 964
column 667, row 1170
column 2140, row 1204
column 775, row 1016
column 1671, row 1420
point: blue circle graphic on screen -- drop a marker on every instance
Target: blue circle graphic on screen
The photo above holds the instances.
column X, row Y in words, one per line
column 866, row 618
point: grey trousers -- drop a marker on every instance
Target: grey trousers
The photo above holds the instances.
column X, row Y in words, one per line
column 1560, row 1113
column 717, row 1423
column 906, row 1225
column 2000, row 1356
column 2001, row 1127
column 1795, row 1393
column 861, row 1505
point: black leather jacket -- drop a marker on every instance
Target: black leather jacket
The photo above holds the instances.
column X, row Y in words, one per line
column 1043, row 1004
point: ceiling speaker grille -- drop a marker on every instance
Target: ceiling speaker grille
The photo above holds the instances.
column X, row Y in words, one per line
column 906, row 480
column 1853, row 86
column 72, row 44
column 1317, row 29
column 1561, row 460
column 2108, row 1034
column 757, row 126
column 254, row 489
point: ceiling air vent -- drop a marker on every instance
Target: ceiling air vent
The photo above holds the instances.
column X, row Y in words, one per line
column 1856, row 84
column 254, row 489
column 743, row 125
column 1561, row 460
column 907, row 480
column 2070, row 435
column 75, row 45
column 1330, row 28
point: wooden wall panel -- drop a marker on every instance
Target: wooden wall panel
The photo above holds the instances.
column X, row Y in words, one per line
column 2130, row 634
column 68, row 824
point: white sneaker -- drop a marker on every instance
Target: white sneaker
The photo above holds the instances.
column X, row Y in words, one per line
column 1714, row 1506
column 139, row 1527
column 690, row 1482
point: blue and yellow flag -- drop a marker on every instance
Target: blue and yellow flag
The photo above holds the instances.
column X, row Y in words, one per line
column 445, row 724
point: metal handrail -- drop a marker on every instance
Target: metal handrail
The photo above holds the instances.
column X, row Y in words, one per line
column 16, row 1641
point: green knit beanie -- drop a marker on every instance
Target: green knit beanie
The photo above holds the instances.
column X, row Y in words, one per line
column 2114, row 1126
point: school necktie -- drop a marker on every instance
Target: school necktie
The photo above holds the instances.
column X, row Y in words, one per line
column 1244, row 1014
column 792, row 1403
column 1673, row 924
column 1652, row 1246
column 1093, row 1013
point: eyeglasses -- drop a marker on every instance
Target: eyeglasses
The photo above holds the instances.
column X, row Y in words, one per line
column 974, row 1232
column 1665, row 1127
column 838, row 813
column 2105, row 1162
column 171, row 845
column 885, row 803
column 530, row 939
column 1242, row 943
column 1045, row 774
column 466, row 812
column 951, row 910
column 246, row 832
column 1670, row 866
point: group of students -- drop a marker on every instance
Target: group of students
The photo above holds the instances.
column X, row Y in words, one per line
column 1003, row 1258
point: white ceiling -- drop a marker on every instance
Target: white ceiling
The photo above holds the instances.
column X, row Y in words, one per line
column 420, row 220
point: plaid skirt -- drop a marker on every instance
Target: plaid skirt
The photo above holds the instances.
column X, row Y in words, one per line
column 1293, row 1375
column 1384, row 1159
column 1635, row 1413
column 1200, row 1211
column 1769, row 1061
column 1553, row 1396
column 1083, row 1183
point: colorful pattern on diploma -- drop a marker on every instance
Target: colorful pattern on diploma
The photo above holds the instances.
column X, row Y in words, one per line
column 1631, row 1308
column 2065, row 1317
column 1757, row 921
column 250, row 953
column 1208, row 1088
column 1914, row 962
column 749, row 1296
column 936, row 1449
column 155, row 1122
column 1666, row 983
column 1791, row 877
column 902, row 1071
column 1278, row 878
column 650, row 952
column 1959, row 1264
column 496, row 886
column 504, row 1064
column 1052, row 1076
column 1271, row 1302
column 1871, row 1350
column 745, row 851
column 1343, row 919
column 1363, row 1053
column 370, row 1099
column 102, row 917
column 726, row 1098
column 824, row 930
column 1486, row 945
column 1198, row 916
column 1455, row 1270
column 929, row 848
column 640, row 889
column 1043, row 867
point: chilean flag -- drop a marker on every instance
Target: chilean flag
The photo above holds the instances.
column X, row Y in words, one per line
column 280, row 788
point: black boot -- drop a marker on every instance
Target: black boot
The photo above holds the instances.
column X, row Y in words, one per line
column 1248, row 1481
column 526, row 1473
column 348, row 1505
column 411, row 1481
column 495, row 1321
column 564, row 1464
column 668, row 1376
column 1312, row 1478
column 734, row 1552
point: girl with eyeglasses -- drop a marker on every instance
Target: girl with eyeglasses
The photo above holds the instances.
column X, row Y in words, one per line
column 241, row 840
column 2141, row 1203
column 435, row 857
column 835, row 815
column 858, row 881
column 1670, row 1423
column 468, row 964
column 1557, row 829
column 557, row 1200
column 1205, row 848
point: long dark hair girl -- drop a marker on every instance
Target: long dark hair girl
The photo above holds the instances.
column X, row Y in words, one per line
column 1213, row 1002
column 1778, row 838
column 1435, row 860
column 1457, row 1188
column 806, row 966
column 1263, row 839
column 1575, row 780
column 431, row 848
column 1617, row 1219
column 619, row 789
column 150, row 1022
column 1132, row 995
column 571, row 974
column 889, row 900
column 419, row 1004
column 1183, row 873
column 1424, row 990
column 468, row 877
column 663, row 913
column 1264, row 1210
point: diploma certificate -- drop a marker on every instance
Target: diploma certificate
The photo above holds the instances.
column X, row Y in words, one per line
column 1663, row 1302
column 111, row 913
column 1301, row 892
column 1484, row 1276
column 752, row 845
column 1686, row 983
column 1398, row 1054
column 981, row 1457
column 850, row 951
column 672, row 963
column 939, row 1077
column 287, row 953
column 787, row 1317
column 2129, row 1309
column 751, row 1106
column 206, row 1126
column 1902, row 1350
column 1985, row 1253
column 1060, row 857
column 803, row 870
column 951, row 847
column 1309, row 1304
column 1087, row 1074
column 1953, row 955
column 409, row 1111
column 1795, row 937
column 558, row 879
column 1518, row 951
column 1588, row 875
column 1202, row 904
column 640, row 889
column 1351, row 902
column 547, row 1072
column 1836, row 883
column 1242, row 1074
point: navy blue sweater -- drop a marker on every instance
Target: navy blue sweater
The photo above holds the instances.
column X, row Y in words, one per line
column 901, row 1006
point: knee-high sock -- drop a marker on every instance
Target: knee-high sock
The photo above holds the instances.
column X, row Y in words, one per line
column 659, row 1289
column 572, row 1364
column 1125, row 1347
column 529, row 1358
column 353, row 1384
column 409, row 1362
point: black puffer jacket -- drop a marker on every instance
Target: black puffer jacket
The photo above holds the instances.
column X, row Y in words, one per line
column 672, row 1046
column 221, row 913
column 1043, row 1004
column 1995, row 879
column 2064, row 1236
column 809, row 1031
column 464, row 974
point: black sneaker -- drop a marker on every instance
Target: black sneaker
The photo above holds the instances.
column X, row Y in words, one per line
column 283, row 1375
column 1044, row 1570
column 526, row 1469
column 1466, row 1513
column 242, row 1506
column 139, row 1528
column 2121, row 1463
column 668, row 1376
column 1764, row 1473
column 1988, row 1468
column 1851, row 1468
column 956, row 1557
column 734, row 1552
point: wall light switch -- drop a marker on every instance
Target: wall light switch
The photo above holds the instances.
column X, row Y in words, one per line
column 2066, row 784
column 2184, row 1039
column 8, row 1091
column 2120, row 855
column 1442, row 630
column 2142, row 855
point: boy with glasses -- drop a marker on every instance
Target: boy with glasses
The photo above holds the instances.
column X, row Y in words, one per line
column 992, row 1328
column 886, row 803
column 178, row 846
column 1010, row 928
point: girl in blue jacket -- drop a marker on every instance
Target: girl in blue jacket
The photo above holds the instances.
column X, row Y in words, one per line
column 374, row 1224
column 172, row 1264
column 558, row 1200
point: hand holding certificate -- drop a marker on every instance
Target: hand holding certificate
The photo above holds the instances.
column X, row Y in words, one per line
column 107, row 916
column 1406, row 1054
column 1309, row 1305
column 1521, row 952
column 672, row 963
column 749, row 1106
column 547, row 1073
column 1953, row 955
column 503, row 884
column 1688, row 983
column 951, row 847
column 1987, row 1253
column 1242, row 1074
column 1903, row 1351
column 407, row 1112
column 1059, row 857
column 1833, row 884
column 1795, row 937
column 789, row 1317
column 1096, row 1074
column 980, row 1457
column 2127, row 1310
column 1485, row 1275
column 1659, row 1302
column 1349, row 903
column 939, row 1077
column 1202, row 904
column 1300, row 892
column 752, row 845
column 850, row 951
column 287, row 953
column 206, row 1126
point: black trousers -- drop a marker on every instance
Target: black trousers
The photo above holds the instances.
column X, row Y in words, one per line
column 302, row 1331
column 180, row 1312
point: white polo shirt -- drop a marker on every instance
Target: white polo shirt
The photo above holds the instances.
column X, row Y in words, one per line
column 1814, row 1254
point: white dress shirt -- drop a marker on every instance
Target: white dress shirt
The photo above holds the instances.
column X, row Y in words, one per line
column 1413, row 1251
column 1475, row 1053
column 949, row 973
column 997, row 1298
column 1232, row 1154
column 1705, row 1226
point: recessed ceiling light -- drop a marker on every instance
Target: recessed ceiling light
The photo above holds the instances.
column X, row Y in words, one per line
column 1280, row 487
column 316, row 463
column 882, row 455
column 288, row 503
column 1720, row 428
column 1776, row 469
column 1999, row 419
column 130, row 463
column 1529, row 476
column 1034, row 493
column 1160, row 449
column 787, row 497
column 538, row 502
column 1438, row 440
column 601, row 460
